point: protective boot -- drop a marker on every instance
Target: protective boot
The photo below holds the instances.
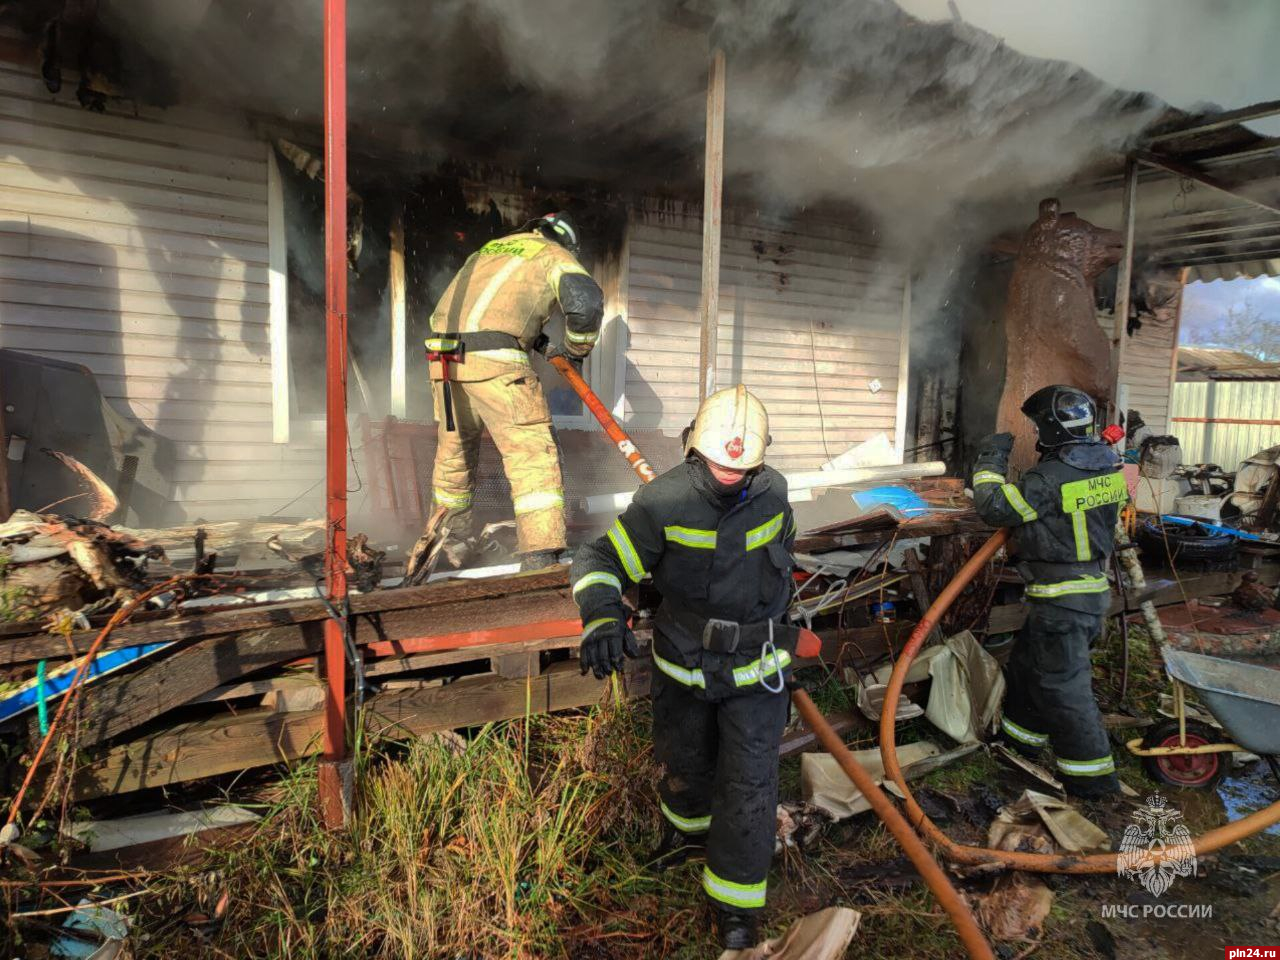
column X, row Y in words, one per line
column 676, row 848
column 737, row 931
column 539, row 560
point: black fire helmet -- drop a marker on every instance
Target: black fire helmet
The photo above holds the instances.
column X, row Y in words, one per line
column 1061, row 414
column 558, row 227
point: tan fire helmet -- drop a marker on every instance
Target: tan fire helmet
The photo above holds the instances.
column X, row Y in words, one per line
column 731, row 429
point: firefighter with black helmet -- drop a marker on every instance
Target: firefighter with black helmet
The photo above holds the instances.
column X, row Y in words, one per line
column 1063, row 511
column 716, row 534
column 482, row 329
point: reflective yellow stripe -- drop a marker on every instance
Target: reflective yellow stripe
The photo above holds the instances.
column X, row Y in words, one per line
column 590, row 337
column 1080, row 529
column 560, row 270
column 626, row 551
column 1088, row 768
column 691, row 537
column 524, row 247
column 481, row 306
column 542, row 500
column 690, row 678
column 764, row 533
column 441, row 344
column 598, row 578
column 594, row 625
column 749, row 674
column 451, row 500
column 1079, row 585
column 1022, row 734
column 505, row 355
column 1018, row 502
column 793, row 530
column 987, row 476
column 687, row 824
column 746, row 895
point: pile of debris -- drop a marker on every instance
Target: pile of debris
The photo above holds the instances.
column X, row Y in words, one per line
column 52, row 565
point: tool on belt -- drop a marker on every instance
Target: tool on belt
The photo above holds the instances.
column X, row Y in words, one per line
column 451, row 348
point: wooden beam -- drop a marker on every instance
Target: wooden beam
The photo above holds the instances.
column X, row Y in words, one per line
column 1229, row 118
column 712, row 197
column 1198, row 174
column 403, row 601
column 1124, row 281
column 121, row 703
column 233, row 742
column 399, row 330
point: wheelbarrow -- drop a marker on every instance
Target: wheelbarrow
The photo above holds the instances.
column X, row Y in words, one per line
column 1244, row 697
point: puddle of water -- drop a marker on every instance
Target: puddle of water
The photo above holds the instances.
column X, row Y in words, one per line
column 1249, row 790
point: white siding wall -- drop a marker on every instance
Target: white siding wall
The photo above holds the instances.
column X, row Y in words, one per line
column 1148, row 369
column 809, row 316
column 135, row 243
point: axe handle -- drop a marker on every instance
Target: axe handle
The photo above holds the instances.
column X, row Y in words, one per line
column 628, row 449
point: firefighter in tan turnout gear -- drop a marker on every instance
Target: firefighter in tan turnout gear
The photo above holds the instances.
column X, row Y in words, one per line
column 716, row 533
column 488, row 319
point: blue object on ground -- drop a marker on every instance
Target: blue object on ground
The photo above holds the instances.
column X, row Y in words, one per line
column 905, row 501
column 55, row 682
column 1211, row 527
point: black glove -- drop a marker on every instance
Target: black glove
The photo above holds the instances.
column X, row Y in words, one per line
column 561, row 352
column 603, row 650
column 1003, row 442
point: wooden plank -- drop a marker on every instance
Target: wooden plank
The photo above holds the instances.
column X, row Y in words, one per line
column 1198, row 174
column 122, row 703
column 803, row 740
column 228, row 743
column 414, row 602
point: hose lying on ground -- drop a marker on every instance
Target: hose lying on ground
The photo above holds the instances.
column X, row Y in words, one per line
column 957, row 908
column 1215, row 839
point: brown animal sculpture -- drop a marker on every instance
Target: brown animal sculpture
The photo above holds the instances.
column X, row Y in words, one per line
column 1050, row 320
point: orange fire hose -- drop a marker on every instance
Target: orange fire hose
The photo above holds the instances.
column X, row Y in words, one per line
column 957, row 907
column 1215, row 839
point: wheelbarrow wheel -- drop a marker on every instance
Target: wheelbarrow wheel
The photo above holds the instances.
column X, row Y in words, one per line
column 1195, row 771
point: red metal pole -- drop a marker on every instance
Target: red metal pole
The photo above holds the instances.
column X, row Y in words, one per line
column 334, row 769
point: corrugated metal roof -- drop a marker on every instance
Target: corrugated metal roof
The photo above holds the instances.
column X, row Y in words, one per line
column 1218, row 363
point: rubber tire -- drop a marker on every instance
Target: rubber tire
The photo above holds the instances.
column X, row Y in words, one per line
column 1161, row 541
column 1201, row 772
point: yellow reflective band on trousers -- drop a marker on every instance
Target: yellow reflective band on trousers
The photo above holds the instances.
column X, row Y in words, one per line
column 1046, row 591
column 595, row 625
column 1018, row 502
column 987, row 476
column 765, row 533
column 1080, row 530
column 751, row 673
column 454, row 501
column 529, row 502
column 686, row 824
column 1022, row 734
column 626, row 551
column 691, row 537
column 690, row 678
column 598, row 578
column 1087, row 768
column 749, row 896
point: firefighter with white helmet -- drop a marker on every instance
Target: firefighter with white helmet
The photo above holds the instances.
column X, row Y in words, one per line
column 716, row 534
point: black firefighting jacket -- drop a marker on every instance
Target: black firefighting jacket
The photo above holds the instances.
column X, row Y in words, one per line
column 711, row 555
column 1064, row 511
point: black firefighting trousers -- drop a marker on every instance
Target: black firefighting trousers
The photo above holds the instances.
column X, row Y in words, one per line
column 1050, row 698
column 720, row 760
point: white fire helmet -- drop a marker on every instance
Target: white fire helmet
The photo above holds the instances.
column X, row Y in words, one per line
column 731, row 429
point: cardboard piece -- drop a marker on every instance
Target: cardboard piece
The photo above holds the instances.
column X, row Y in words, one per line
column 824, row 935
column 1067, row 826
column 825, row 785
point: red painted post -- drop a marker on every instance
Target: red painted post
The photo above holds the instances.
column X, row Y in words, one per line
column 335, row 770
